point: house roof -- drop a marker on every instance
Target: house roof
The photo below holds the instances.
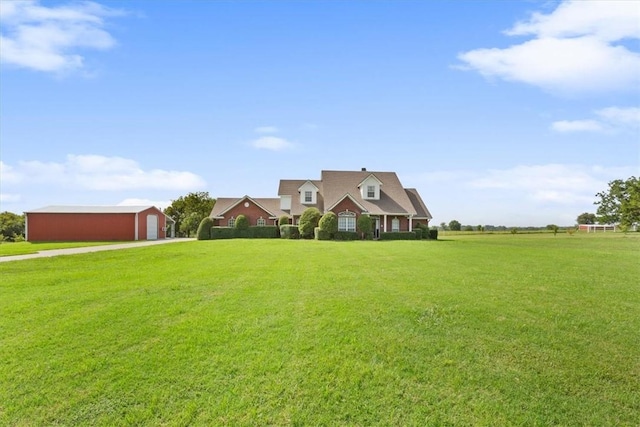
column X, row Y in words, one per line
column 393, row 197
column 418, row 203
column 224, row 204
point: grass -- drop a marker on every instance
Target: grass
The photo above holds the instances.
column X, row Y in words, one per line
column 473, row 330
column 25, row 248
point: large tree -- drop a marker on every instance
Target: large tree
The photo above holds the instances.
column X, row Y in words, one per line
column 189, row 210
column 11, row 226
column 586, row 218
column 308, row 221
column 454, row 225
column 620, row 204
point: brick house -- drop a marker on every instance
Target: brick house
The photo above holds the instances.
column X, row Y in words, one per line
column 348, row 194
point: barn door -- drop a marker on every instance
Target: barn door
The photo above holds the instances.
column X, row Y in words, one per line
column 152, row 227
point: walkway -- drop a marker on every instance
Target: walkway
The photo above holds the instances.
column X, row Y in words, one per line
column 87, row 249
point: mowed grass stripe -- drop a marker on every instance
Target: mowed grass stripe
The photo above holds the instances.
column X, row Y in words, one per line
column 482, row 330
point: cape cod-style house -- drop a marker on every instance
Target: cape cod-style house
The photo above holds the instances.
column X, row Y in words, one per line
column 348, row 194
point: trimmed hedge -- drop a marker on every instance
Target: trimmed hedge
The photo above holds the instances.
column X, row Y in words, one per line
column 433, row 234
column 418, row 232
column 253, row 232
column 222, row 233
column 289, row 232
column 320, row 234
column 242, row 222
column 398, row 235
column 283, row 220
column 346, row 235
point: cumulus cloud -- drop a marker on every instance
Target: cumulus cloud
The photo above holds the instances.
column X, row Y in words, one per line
column 576, row 48
column 607, row 119
column 48, row 38
column 272, row 143
column 102, row 173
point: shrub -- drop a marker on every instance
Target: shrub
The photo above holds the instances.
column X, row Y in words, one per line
column 433, row 234
column 320, row 234
column 308, row 221
column 328, row 224
column 222, row 233
column 204, row 229
column 364, row 224
column 418, row 232
column 283, row 220
column 263, row 232
column 242, row 222
column 289, row 232
column 398, row 235
column 346, row 235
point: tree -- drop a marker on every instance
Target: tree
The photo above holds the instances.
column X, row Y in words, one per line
column 586, row 218
column 620, row 204
column 242, row 222
column 308, row 221
column 11, row 226
column 443, row 225
column 454, row 225
column 180, row 209
column 204, row 229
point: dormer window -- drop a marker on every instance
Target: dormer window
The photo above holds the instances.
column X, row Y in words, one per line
column 308, row 193
column 371, row 191
column 370, row 188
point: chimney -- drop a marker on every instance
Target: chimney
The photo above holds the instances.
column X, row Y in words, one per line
column 364, row 169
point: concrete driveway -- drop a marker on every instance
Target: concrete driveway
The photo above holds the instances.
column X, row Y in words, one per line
column 87, row 249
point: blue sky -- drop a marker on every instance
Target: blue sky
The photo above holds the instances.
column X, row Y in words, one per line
column 498, row 112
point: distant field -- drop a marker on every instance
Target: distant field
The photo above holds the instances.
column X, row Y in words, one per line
column 24, row 248
column 489, row 330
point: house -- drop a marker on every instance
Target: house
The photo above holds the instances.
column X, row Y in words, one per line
column 348, row 194
column 95, row 223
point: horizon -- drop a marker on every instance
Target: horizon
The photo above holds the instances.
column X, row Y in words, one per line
column 499, row 113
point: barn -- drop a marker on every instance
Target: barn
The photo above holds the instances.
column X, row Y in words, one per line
column 96, row 223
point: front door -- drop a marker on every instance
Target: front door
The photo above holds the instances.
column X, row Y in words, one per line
column 152, row 227
column 376, row 228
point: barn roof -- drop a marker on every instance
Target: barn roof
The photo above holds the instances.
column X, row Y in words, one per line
column 91, row 209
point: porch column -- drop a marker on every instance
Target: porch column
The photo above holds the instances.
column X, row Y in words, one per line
column 410, row 222
column 385, row 223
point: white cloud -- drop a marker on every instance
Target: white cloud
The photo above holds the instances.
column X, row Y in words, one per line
column 609, row 119
column 9, row 197
column 272, row 143
column 574, row 49
column 576, row 126
column 266, row 129
column 95, row 172
column 47, row 38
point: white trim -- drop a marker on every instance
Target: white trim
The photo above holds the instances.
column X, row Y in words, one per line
column 352, row 199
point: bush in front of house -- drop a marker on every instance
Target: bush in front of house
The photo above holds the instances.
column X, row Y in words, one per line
column 433, row 234
column 320, row 234
column 204, row 229
column 222, row 233
column 364, row 225
column 418, row 233
column 289, row 231
column 346, row 235
column 242, row 222
column 308, row 221
column 328, row 224
column 398, row 235
column 283, row 220
column 263, row 232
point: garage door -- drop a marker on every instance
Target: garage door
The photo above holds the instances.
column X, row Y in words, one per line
column 152, row 227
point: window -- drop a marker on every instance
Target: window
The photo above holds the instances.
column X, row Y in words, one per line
column 308, row 196
column 371, row 192
column 261, row 222
column 232, row 222
column 346, row 221
column 395, row 224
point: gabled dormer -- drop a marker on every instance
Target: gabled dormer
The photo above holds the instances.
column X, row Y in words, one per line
column 308, row 193
column 370, row 188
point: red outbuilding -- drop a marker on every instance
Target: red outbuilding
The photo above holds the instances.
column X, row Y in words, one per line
column 95, row 223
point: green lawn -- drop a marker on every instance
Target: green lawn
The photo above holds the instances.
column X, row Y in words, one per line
column 24, row 248
column 532, row 330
